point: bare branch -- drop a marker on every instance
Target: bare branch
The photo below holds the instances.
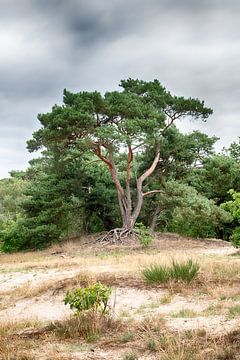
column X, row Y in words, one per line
column 129, row 160
column 153, row 192
column 150, row 170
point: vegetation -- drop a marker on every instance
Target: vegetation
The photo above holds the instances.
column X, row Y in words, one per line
column 144, row 234
column 185, row 272
column 94, row 297
column 117, row 163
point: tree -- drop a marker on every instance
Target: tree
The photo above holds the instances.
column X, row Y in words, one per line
column 218, row 174
column 181, row 154
column 233, row 207
column 185, row 211
column 128, row 122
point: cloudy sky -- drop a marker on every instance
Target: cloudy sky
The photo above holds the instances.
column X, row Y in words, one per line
column 191, row 46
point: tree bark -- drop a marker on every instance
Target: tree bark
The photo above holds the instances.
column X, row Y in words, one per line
column 154, row 219
column 129, row 215
column 140, row 181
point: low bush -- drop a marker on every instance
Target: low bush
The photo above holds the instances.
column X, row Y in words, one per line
column 185, row 272
column 144, row 234
column 235, row 238
column 94, row 297
column 91, row 310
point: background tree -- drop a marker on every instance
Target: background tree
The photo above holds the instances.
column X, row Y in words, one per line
column 181, row 155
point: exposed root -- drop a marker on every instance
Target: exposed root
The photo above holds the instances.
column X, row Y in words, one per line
column 116, row 236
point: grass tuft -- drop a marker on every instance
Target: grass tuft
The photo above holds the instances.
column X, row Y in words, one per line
column 185, row 272
column 130, row 356
column 234, row 311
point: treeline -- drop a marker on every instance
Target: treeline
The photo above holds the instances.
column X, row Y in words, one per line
column 72, row 188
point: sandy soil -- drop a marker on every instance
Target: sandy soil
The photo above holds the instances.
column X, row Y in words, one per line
column 128, row 302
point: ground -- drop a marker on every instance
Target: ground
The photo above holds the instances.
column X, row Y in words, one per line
column 200, row 320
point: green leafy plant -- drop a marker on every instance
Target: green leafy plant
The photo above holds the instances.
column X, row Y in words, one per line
column 185, row 272
column 144, row 234
column 94, row 297
column 235, row 238
column 233, row 207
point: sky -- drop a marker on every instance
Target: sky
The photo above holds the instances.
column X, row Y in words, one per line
column 191, row 46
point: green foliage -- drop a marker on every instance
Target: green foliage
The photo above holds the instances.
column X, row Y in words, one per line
column 233, row 207
column 185, row 272
column 94, row 297
column 11, row 196
column 112, row 126
column 185, row 211
column 17, row 236
column 70, row 190
column 218, row 174
column 12, row 236
column 144, row 234
column 235, row 237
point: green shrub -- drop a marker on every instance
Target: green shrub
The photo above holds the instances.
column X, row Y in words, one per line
column 94, row 297
column 185, row 272
column 18, row 235
column 235, row 238
column 144, row 234
column 12, row 236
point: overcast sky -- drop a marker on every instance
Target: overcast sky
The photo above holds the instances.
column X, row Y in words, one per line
column 191, row 46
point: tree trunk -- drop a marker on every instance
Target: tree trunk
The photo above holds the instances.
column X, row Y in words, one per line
column 154, row 219
column 129, row 215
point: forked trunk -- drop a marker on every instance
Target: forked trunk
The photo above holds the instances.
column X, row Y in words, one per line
column 128, row 213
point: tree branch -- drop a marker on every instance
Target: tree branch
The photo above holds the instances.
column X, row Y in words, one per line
column 128, row 178
column 150, row 170
column 112, row 168
column 129, row 160
column 153, row 192
column 99, row 154
column 140, row 181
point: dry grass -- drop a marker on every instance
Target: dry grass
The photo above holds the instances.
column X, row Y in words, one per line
column 218, row 281
column 191, row 345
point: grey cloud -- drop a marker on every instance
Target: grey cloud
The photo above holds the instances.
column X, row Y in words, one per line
column 191, row 46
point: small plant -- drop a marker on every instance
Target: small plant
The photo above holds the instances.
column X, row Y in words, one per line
column 185, row 272
column 185, row 313
column 130, row 356
column 155, row 273
column 127, row 337
column 94, row 297
column 234, row 311
column 144, row 234
column 165, row 300
column 152, row 345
